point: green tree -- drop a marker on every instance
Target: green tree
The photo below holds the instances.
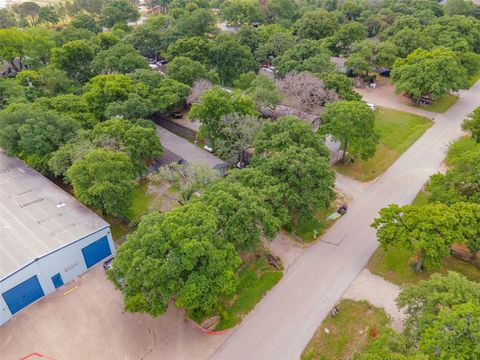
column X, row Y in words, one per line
column 230, row 58
column 281, row 11
column 104, row 179
column 277, row 44
column 133, row 107
column 12, row 47
column 242, row 216
column 287, row 132
column 7, row 19
column 153, row 36
column 241, row 11
column 270, row 191
column 216, row 103
column 308, row 178
column 472, row 124
column 460, row 183
column 353, row 124
column 264, row 93
column 137, row 139
column 168, row 95
column 458, row 7
column 196, row 23
column 236, row 135
column 61, row 160
column 454, row 334
column 428, row 73
column 48, row 14
column 195, row 48
column 177, row 255
column 102, row 90
column 27, row 11
column 308, row 55
column 424, row 301
column 468, row 215
column 34, row 133
column 316, row 25
column 342, row 85
column 75, row 58
column 39, row 42
column 85, row 21
column 120, row 58
column 118, row 11
column 346, row 35
column 428, row 229
column 186, row 70
column 72, row 105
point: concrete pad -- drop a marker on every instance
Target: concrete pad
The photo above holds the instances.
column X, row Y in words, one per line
column 286, row 248
column 379, row 292
column 85, row 320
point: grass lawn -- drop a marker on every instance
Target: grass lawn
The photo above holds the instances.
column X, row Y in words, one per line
column 311, row 229
column 420, row 199
column 474, row 79
column 141, row 199
column 440, row 105
column 355, row 326
column 255, row 280
column 395, row 265
column 398, row 131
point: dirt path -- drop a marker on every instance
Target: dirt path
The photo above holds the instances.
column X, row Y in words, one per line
column 378, row 292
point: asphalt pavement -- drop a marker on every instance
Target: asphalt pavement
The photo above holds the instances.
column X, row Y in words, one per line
column 284, row 321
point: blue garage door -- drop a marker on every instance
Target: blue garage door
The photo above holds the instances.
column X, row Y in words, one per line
column 96, row 251
column 23, row 294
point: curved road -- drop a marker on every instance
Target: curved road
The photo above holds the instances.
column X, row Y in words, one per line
column 284, row 321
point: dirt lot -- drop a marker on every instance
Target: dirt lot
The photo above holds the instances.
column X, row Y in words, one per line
column 84, row 320
column 384, row 95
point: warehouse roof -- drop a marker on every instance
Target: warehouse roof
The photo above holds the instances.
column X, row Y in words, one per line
column 36, row 216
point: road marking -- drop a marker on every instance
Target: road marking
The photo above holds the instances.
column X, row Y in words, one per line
column 69, row 291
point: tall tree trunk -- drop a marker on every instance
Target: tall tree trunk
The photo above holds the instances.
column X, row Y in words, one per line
column 421, row 257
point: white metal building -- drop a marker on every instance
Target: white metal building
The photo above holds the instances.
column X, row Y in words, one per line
column 47, row 238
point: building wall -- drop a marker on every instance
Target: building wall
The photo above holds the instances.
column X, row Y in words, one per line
column 68, row 261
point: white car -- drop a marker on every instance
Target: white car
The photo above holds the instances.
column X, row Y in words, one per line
column 372, row 107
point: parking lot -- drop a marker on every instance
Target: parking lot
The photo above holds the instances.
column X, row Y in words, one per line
column 85, row 320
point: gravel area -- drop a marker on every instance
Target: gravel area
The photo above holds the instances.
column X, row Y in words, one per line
column 378, row 292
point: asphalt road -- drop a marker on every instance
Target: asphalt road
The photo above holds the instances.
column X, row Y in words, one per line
column 284, row 321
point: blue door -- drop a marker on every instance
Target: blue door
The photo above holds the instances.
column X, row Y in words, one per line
column 57, row 280
column 23, row 294
column 96, row 251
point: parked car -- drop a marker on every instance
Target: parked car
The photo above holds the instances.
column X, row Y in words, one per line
column 372, row 107
column 176, row 115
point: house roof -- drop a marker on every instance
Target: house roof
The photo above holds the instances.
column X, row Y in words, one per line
column 185, row 150
column 36, row 216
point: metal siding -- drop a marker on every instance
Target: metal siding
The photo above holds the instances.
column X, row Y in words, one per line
column 96, row 251
column 23, row 294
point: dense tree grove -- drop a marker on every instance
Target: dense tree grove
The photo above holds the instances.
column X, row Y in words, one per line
column 81, row 80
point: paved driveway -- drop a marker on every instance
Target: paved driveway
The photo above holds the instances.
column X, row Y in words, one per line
column 84, row 320
column 284, row 321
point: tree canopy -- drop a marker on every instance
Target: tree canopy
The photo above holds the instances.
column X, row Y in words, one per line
column 353, row 124
column 178, row 255
column 428, row 73
column 104, row 179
